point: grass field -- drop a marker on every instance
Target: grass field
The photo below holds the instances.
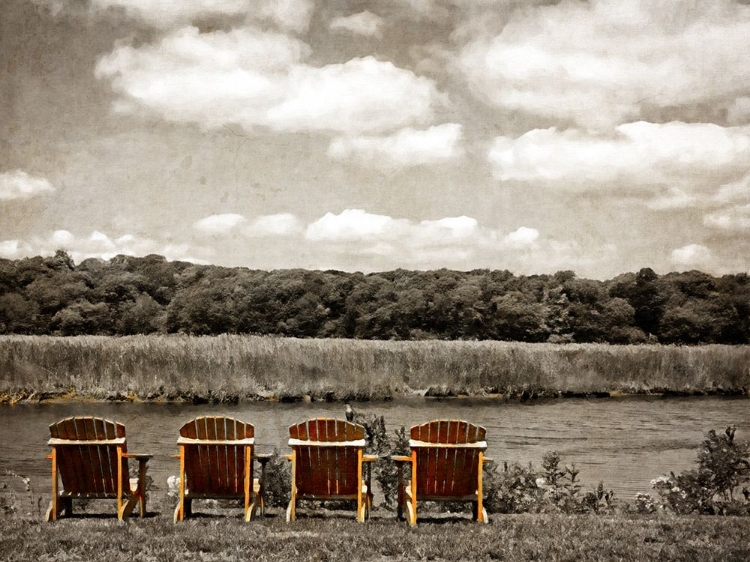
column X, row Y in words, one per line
column 517, row 537
column 230, row 368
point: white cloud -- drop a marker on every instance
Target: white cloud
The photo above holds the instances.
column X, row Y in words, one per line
column 13, row 249
column 641, row 153
column 282, row 224
column 735, row 218
column 292, row 15
column 99, row 245
column 358, row 239
column 257, row 78
column 524, row 237
column 407, row 147
column 602, row 62
column 365, row 23
column 692, row 255
column 734, row 191
column 352, row 225
column 674, row 198
column 219, row 225
column 20, row 185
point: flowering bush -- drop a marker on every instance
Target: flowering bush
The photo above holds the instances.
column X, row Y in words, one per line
column 723, row 466
column 523, row 489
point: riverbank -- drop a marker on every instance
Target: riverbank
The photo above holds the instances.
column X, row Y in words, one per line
column 231, row 369
column 338, row 538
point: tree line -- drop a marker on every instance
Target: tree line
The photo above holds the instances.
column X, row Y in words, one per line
column 142, row 295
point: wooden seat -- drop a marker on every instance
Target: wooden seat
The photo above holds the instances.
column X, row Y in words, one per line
column 216, row 462
column 446, row 465
column 327, row 464
column 90, row 456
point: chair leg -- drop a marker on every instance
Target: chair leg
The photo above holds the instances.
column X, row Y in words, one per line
column 178, row 511
column 142, row 486
column 250, row 511
column 291, row 514
column 127, row 507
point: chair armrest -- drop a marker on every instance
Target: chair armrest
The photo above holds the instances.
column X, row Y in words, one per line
column 487, row 459
column 369, row 458
column 137, row 456
column 48, row 457
column 397, row 458
column 288, row 457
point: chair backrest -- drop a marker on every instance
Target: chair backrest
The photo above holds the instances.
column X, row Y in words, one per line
column 447, row 457
column 86, row 454
column 327, row 456
column 216, row 449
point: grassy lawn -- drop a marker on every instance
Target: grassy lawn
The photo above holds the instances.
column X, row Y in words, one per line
column 337, row 537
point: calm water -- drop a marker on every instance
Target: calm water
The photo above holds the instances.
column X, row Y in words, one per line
column 624, row 442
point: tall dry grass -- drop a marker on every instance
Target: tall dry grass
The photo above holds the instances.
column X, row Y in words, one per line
column 242, row 367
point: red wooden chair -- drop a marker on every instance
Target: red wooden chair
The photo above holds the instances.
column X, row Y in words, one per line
column 90, row 456
column 216, row 462
column 327, row 464
column 446, row 465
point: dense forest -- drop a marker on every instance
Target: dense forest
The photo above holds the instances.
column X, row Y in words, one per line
column 141, row 295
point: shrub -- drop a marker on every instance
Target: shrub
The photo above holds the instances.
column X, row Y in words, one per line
column 278, row 480
column 723, row 466
column 523, row 489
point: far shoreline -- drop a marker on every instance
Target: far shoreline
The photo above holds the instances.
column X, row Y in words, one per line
column 536, row 397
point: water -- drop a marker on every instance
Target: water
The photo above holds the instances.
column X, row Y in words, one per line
column 623, row 442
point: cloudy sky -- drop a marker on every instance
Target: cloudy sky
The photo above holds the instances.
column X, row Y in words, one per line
column 600, row 136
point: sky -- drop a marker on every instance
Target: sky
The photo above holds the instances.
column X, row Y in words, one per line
column 597, row 136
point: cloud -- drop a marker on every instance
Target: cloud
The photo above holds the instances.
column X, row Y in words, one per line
column 20, row 185
column 292, row 15
column 524, row 237
column 735, row 218
column 355, row 238
column 99, row 245
column 692, row 255
column 639, row 153
column 674, row 198
column 407, row 147
column 218, row 225
column 282, row 224
column 256, row 78
column 354, row 225
column 605, row 62
column 365, row 23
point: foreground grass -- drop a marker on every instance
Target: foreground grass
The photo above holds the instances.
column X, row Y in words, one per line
column 516, row 537
column 230, row 368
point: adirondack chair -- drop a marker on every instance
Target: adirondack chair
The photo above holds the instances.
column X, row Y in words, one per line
column 90, row 456
column 327, row 464
column 446, row 465
column 216, row 462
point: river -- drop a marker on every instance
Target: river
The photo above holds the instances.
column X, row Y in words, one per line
column 624, row 442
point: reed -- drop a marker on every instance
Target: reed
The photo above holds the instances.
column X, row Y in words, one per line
column 233, row 367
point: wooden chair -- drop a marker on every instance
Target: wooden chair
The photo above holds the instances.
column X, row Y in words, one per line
column 446, row 465
column 90, row 456
column 327, row 464
column 216, row 462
